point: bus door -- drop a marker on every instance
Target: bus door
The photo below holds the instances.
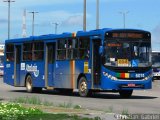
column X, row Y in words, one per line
column 50, row 64
column 96, row 62
column 17, row 61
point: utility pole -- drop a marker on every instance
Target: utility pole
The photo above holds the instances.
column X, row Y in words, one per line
column 97, row 15
column 24, row 34
column 84, row 16
column 124, row 17
column 56, row 27
column 9, row 2
column 33, row 13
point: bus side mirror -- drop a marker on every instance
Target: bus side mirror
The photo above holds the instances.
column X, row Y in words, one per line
column 101, row 48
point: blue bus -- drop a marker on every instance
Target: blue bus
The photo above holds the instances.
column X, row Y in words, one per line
column 156, row 64
column 117, row 60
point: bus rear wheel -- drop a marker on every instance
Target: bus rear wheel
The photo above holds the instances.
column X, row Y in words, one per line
column 83, row 87
column 29, row 86
column 125, row 93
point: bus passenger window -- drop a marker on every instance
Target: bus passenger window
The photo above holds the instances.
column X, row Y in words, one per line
column 84, row 47
column 38, row 50
column 61, row 51
column 27, row 51
column 75, row 48
column 29, row 56
column 9, row 52
column 61, row 54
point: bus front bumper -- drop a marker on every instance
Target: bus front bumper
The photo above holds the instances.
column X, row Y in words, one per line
column 126, row 85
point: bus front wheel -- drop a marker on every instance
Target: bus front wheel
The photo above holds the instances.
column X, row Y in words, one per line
column 125, row 93
column 83, row 87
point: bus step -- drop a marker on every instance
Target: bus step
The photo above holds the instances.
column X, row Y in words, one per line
column 50, row 88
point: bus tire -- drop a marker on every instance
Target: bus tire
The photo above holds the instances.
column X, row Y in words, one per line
column 83, row 87
column 29, row 87
column 125, row 93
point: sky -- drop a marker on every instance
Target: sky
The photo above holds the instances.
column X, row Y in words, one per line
column 142, row 14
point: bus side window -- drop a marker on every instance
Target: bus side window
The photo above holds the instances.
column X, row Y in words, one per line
column 27, row 51
column 29, row 56
column 75, row 47
column 61, row 51
column 9, row 52
column 38, row 50
column 84, row 48
column 69, row 49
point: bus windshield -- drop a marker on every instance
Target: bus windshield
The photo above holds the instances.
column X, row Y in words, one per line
column 123, row 53
column 155, row 60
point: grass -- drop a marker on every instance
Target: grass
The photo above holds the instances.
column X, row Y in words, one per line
column 60, row 117
column 37, row 101
column 31, row 100
column 66, row 105
column 110, row 109
column 125, row 112
column 15, row 111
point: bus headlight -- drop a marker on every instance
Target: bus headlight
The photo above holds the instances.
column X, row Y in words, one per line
column 146, row 78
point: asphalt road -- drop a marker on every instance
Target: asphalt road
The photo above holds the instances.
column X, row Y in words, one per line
column 142, row 101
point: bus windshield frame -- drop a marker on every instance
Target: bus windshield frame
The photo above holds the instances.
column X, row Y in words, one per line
column 155, row 59
column 123, row 51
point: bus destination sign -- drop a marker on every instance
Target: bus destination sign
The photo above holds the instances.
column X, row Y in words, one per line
column 127, row 35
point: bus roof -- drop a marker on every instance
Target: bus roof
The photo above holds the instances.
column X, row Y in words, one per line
column 68, row 35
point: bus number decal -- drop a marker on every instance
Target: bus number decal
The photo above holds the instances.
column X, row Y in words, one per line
column 139, row 75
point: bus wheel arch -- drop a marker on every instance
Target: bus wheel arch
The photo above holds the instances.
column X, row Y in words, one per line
column 82, row 86
column 80, row 75
column 29, row 86
column 28, row 83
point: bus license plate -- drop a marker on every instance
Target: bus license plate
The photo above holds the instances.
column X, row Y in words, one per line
column 131, row 85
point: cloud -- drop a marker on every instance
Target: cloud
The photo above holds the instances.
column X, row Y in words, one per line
column 3, row 21
column 25, row 3
column 156, row 37
column 156, row 34
column 76, row 20
column 35, row 3
column 63, row 18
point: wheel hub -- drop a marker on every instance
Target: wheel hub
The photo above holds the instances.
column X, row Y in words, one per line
column 83, row 86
